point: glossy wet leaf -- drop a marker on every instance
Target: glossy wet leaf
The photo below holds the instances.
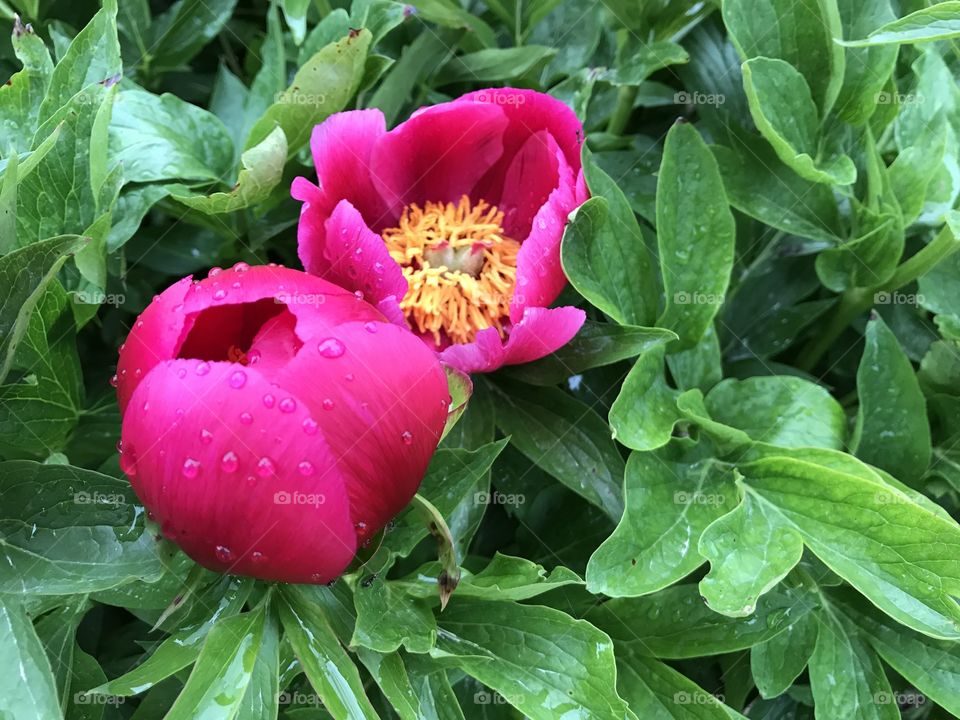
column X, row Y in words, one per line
column 644, row 413
column 939, row 22
column 27, row 684
column 777, row 662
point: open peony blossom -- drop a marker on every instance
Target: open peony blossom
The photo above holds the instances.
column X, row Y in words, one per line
column 267, row 425
column 457, row 215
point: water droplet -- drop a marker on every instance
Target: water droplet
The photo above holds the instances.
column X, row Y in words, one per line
column 358, row 294
column 241, row 267
column 114, row 381
column 220, row 294
column 214, row 271
column 328, row 404
column 128, row 462
column 203, row 368
column 370, row 327
column 182, row 373
column 246, row 418
column 265, row 467
column 305, row 468
column 407, row 437
column 310, row 426
column 251, row 481
column 179, row 413
column 139, row 324
column 206, row 437
column 316, row 577
column 258, row 557
column 331, row 348
column 191, row 468
column 269, row 400
column 146, row 405
column 229, row 462
column 349, row 377
column 224, row 554
column 238, row 379
column 288, row 405
column 137, row 373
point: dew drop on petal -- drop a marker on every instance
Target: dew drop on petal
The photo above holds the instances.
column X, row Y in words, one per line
column 328, row 404
column 128, row 462
column 370, row 327
column 305, row 468
column 265, row 467
column 224, row 554
column 191, row 468
column 182, row 373
column 246, row 418
column 238, row 379
column 407, row 437
column 203, row 368
column 269, row 400
column 349, row 377
column 206, row 437
column 288, row 405
column 253, row 357
column 229, row 462
column 258, row 557
column 241, row 267
column 214, row 271
column 220, row 294
column 310, row 426
column 331, row 348
column 114, row 381
column 146, row 405
column 358, row 294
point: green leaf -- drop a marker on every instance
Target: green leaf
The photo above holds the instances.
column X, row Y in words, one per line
column 27, row 690
column 872, row 534
column 658, row 692
column 932, row 666
column 672, row 495
column 786, row 115
column 698, row 367
column 21, row 96
column 861, row 691
column 261, row 700
column 295, row 13
column 181, row 649
column 778, row 662
column 183, row 30
column 644, row 413
column 322, row 86
column 540, row 660
column 93, row 59
column 24, row 277
column 780, row 410
column 567, row 439
column 161, row 137
column 219, row 679
column 328, row 667
column 800, row 33
column 750, row 550
column 606, row 254
column 262, row 171
column 388, row 618
column 648, row 58
column 867, row 69
column 761, row 186
column 892, row 430
column 675, row 623
column 939, row 22
column 695, row 233
column 494, row 64
column 67, row 530
column 596, row 345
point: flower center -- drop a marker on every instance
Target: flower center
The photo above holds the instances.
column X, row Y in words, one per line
column 460, row 269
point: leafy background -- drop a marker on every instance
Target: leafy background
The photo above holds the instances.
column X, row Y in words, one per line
column 731, row 495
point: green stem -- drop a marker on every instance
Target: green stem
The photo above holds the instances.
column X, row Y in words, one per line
column 626, row 96
column 856, row 301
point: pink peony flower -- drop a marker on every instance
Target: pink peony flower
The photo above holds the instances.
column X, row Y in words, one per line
column 455, row 214
column 268, row 426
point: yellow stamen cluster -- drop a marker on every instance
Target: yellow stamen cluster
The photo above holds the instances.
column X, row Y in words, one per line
column 460, row 269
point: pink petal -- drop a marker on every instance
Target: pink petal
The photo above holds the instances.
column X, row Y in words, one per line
column 540, row 332
column 234, row 478
column 353, row 256
column 529, row 112
column 531, row 176
column 381, row 401
column 437, row 155
column 540, row 277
